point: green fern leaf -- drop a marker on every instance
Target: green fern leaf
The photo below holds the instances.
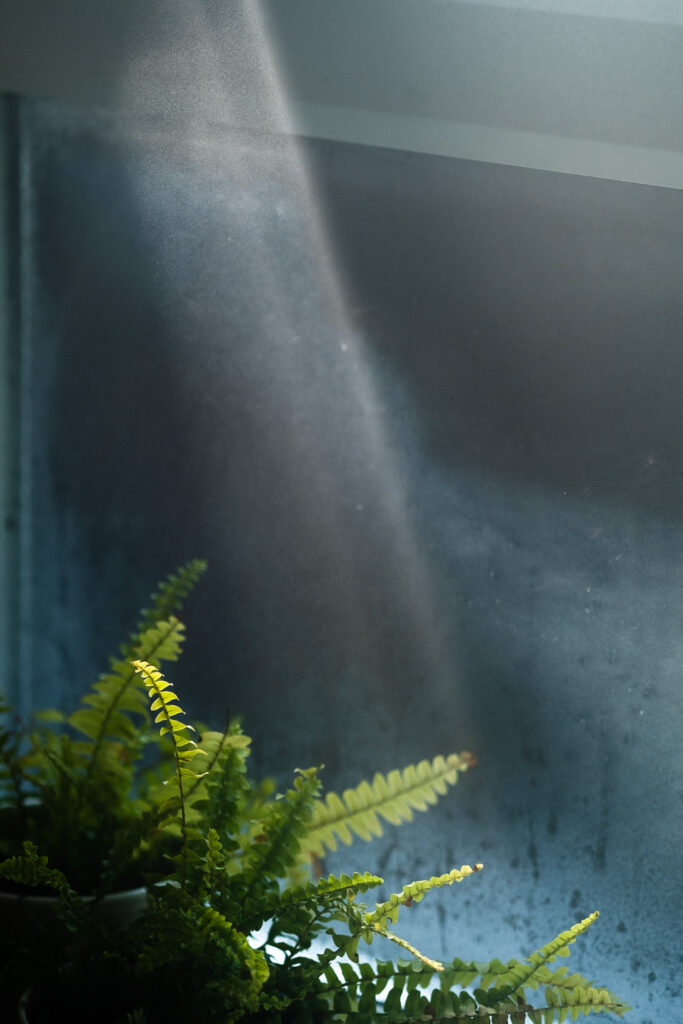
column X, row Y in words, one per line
column 277, row 844
column 104, row 718
column 387, row 912
column 160, row 694
column 331, row 888
column 165, row 603
column 157, row 637
column 32, row 870
column 565, row 995
column 393, row 798
column 180, row 922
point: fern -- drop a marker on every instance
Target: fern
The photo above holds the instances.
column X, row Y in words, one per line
column 367, row 924
column 393, row 797
column 522, row 975
column 218, row 795
column 213, row 864
column 165, row 603
column 82, row 768
column 31, row 869
column 234, row 848
column 387, row 913
column 158, row 636
column 105, row 718
column 333, row 887
column 277, row 845
column 388, row 991
column 165, row 703
column 298, row 912
column 226, row 974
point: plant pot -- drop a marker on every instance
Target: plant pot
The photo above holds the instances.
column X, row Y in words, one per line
column 22, row 912
column 22, row 915
column 36, row 1007
column 23, row 1009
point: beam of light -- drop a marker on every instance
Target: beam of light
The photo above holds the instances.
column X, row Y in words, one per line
column 324, row 381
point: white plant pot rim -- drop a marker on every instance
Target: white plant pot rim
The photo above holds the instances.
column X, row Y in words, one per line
column 118, row 896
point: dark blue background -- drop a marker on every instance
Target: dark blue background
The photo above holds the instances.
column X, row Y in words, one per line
column 432, row 452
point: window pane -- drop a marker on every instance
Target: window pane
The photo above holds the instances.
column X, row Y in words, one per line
column 423, row 418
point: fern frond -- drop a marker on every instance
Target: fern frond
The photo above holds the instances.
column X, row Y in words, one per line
column 284, row 825
column 177, row 922
column 165, row 703
column 565, row 995
column 222, row 786
column 387, row 912
column 355, row 987
column 104, row 717
column 570, row 1003
column 278, row 843
column 212, row 925
column 332, row 887
column 393, row 797
column 494, row 974
column 31, row 869
column 521, row 974
column 314, row 896
column 165, row 603
column 456, row 1010
column 582, row 989
column 213, row 862
column 158, row 636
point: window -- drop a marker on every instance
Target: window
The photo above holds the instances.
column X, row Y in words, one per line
column 422, row 415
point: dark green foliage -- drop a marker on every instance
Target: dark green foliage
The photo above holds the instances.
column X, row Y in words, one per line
column 74, row 784
column 31, row 869
column 236, row 931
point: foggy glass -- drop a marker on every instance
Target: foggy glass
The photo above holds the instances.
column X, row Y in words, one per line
column 423, row 418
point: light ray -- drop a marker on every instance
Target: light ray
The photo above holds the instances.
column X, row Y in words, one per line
column 299, row 357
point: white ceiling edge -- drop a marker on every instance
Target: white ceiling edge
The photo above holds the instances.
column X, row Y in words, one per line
column 635, row 164
column 648, row 12
column 480, row 144
column 462, row 79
